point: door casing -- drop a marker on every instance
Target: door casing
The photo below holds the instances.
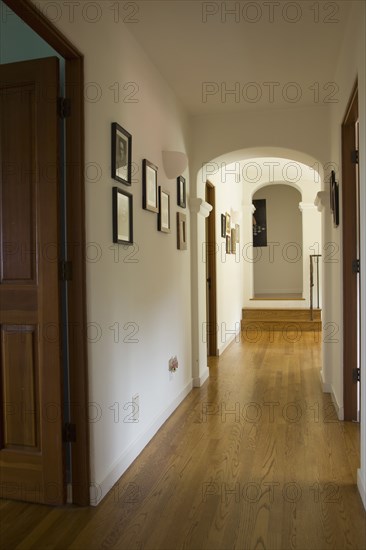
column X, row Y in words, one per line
column 350, row 252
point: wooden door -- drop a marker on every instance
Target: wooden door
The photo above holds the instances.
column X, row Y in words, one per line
column 211, row 316
column 31, row 464
column 351, row 279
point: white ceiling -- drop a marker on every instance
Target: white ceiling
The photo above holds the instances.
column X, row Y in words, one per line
column 229, row 49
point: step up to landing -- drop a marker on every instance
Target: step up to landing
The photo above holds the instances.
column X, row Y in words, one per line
column 281, row 319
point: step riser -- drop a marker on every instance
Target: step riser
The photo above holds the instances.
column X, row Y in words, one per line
column 275, row 325
column 281, row 314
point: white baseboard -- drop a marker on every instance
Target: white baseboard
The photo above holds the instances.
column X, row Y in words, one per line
column 99, row 490
column 325, row 386
column 222, row 348
column 361, row 484
column 200, row 380
column 339, row 409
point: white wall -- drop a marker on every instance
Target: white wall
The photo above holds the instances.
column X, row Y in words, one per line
column 352, row 64
column 138, row 299
column 278, row 269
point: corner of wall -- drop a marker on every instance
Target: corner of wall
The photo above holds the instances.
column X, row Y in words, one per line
column 361, row 484
column 99, row 490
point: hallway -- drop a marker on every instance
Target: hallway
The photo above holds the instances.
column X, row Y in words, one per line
column 256, row 458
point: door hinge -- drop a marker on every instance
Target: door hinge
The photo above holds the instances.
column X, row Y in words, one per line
column 355, row 266
column 65, row 270
column 69, row 433
column 355, row 156
column 356, row 375
column 64, row 107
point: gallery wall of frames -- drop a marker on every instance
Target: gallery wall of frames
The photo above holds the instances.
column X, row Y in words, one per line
column 230, row 232
column 155, row 198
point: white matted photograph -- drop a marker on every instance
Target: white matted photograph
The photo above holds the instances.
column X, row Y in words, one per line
column 122, row 217
column 164, row 211
column 121, row 154
column 150, row 186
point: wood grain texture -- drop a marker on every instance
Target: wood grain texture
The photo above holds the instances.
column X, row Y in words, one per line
column 281, row 314
column 288, row 321
column 255, row 459
column 31, row 461
column 350, row 238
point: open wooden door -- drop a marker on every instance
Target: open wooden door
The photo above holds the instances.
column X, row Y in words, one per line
column 211, row 315
column 351, row 260
column 31, row 453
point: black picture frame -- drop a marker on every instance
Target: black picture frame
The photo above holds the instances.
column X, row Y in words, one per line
column 334, row 198
column 228, row 244
column 181, row 231
column 181, row 192
column 223, row 226
column 121, row 154
column 150, row 198
column 164, row 211
column 260, row 223
column 122, row 208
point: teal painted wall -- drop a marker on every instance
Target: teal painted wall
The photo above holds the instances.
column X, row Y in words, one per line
column 18, row 42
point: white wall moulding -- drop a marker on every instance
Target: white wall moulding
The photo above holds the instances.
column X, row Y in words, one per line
column 201, row 207
column 200, row 380
column 306, row 206
column 321, row 200
column 174, row 163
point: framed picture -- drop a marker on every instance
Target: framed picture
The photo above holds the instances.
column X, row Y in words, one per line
column 181, row 231
column 331, row 190
column 181, row 192
column 121, row 154
column 237, row 232
column 334, row 199
column 223, row 226
column 150, row 199
column 228, row 244
column 260, row 223
column 122, row 217
column 164, row 211
column 228, row 224
column 233, row 241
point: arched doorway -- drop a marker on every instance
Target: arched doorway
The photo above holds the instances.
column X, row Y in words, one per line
column 278, row 234
column 257, row 167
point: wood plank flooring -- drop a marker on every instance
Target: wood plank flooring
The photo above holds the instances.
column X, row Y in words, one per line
column 255, row 459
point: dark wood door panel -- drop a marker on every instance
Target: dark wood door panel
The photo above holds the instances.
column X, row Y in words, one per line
column 20, row 387
column 31, row 455
column 350, row 292
column 18, row 184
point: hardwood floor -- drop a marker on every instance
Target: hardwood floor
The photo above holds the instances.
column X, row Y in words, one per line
column 255, row 459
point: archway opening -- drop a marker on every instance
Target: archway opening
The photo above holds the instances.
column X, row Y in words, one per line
column 277, row 233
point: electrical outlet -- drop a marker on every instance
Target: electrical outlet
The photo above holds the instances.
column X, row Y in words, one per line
column 136, row 407
column 173, row 364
